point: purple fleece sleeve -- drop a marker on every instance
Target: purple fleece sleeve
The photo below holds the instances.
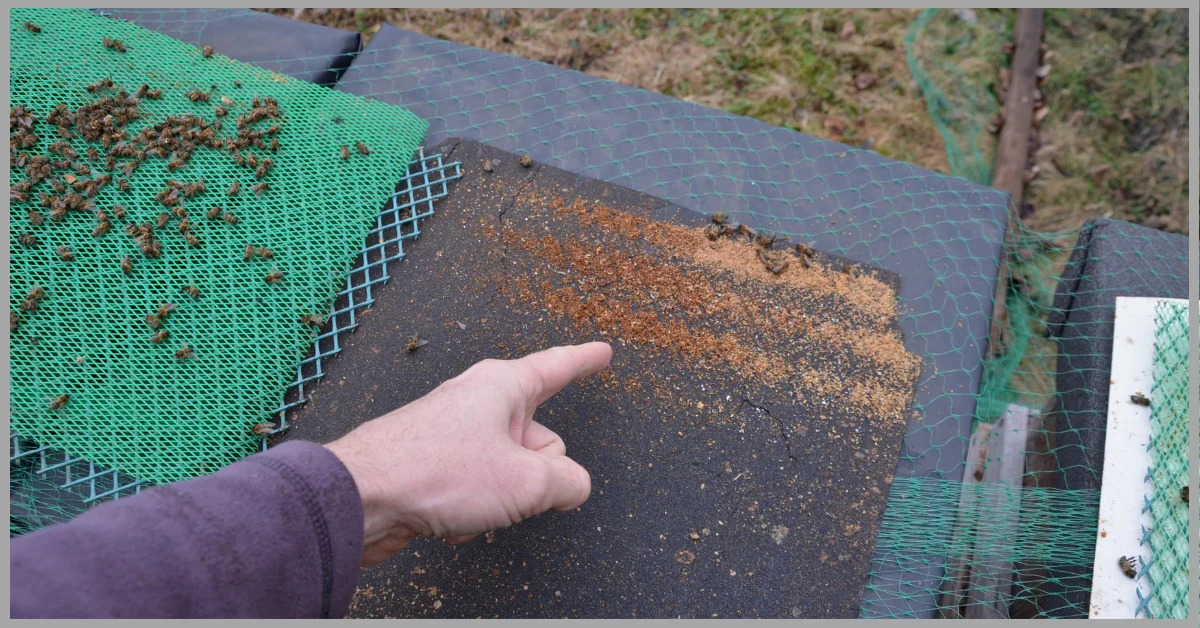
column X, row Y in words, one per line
column 278, row 534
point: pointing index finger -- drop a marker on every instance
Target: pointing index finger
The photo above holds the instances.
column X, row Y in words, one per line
column 545, row 373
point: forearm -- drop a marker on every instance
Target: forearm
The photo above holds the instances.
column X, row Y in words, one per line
column 279, row 534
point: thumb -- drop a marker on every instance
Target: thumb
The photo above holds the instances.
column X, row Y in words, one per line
column 568, row 485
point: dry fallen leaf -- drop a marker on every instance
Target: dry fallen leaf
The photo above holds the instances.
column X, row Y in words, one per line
column 1040, row 115
column 848, row 31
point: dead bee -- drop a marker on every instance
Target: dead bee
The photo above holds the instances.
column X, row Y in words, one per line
column 126, row 264
column 152, row 248
column 774, row 261
column 28, row 239
column 526, row 161
column 29, row 305
column 14, row 321
column 345, row 152
column 162, row 219
column 237, row 83
column 119, row 211
column 415, row 343
column 1127, row 566
column 251, row 160
column 261, row 171
column 746, row 231
column 309, row 319
column 175, row 164
column 220, row 112
column 191, row 291
column 233, row 188
column 206, row 51
column 114, row 44
column 154, row 94
column 1183, row 494
column 274, row 128
column 160, row 336
column 363, row 150
column 184, row 224
column 35, row 218
column 852, row 270
column 720, row 218
column 65, row 253
column 33, row 28
column 101, row 229
column 214, row 213
column 248, row 254
column 184, row 353
column 262, row 429
column 764, row 240
column 274, row 144
column 268, row 163
column 487, row 165
column 36, row 294
column 1139, row 399
column 59, row 401
column 123, row 185
column 804, row 250
column 260, row 188
column 273, row 277
column 229, row 218
column 197, row 96
column 193, row 241
column 266, row 253
column 165, row 309
column 153, row 321
column 712, row 232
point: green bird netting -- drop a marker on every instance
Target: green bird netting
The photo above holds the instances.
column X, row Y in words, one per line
column 1168, row 540
column 1022, row 548
column 111, row 244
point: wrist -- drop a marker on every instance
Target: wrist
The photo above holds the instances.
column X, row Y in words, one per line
column 379, row 512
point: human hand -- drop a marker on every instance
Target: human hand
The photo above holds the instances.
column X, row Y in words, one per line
column 468, row 457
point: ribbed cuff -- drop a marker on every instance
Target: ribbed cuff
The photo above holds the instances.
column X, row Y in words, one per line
column 334, row 510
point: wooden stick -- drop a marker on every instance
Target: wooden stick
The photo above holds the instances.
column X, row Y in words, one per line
column 1008, row 173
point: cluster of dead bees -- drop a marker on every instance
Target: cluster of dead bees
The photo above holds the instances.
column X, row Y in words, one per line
column 777, row 261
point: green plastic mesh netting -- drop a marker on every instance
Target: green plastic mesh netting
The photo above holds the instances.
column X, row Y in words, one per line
column 1168, row 539
column 132, row 403
column 1028, row 546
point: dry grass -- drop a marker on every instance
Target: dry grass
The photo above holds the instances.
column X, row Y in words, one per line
column 1114, row 143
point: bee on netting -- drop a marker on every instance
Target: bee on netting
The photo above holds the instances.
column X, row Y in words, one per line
column 14, row 321
column 194, row 188
column 268, row 163
column 262, row 429
column 114, row 44
column 33, row 28
column 206, row 52
column 184, row 224
column 118, row 210
column 363, row 150
column 65, row 253
column 164, row 309
column 193, row 241
column 248, row 254
column 261, row 171
column 28, row 239
column 153, row 321
column 93, row 154
column 184, row 353
column 160, row 336
column 59, row 401
column 274, row 144
column 266, row 253
column 274, row 276
column 162, row 219
column 126, row 264
column 197, row 96
column 29, row 305
column 314, row 321
column 191, row 291
column 1140, row 399
column 176, row 164
column 35, row 218
column 151, row 248
column 37, row 293
column 229, row 218
column 214, row 213
column 233, row 188
column 1183, row 494
column 99, row 85
column 58, row 213
column 181, row 213
column 129, row 167
column 720, row 218
column 123, row 184
column 220, row 112
column 154, row 94
column 260, row 188
column 345, row 152
column 1127, row 566
column 101, row 229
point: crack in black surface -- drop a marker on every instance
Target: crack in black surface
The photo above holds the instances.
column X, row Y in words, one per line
column 775, row 423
